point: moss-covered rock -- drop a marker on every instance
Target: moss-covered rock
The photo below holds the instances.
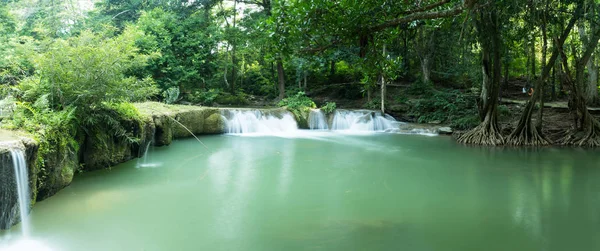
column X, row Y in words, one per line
column 214, row 124
column 301, row 116
column 174, row 121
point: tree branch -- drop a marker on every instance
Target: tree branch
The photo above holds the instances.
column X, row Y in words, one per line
column 416, row 16
column 425, row 8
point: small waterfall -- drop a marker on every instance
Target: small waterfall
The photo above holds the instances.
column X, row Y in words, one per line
column 144, row 162
column 363, row 120
column 317, row 120
column 259, row 122
column 22, row 181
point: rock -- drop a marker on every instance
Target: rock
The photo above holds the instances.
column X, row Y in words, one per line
column 445, row 130
column 9, row 209
column 435, row 122
column 214, row 124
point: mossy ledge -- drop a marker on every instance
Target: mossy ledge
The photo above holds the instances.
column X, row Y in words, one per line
column 55, row 170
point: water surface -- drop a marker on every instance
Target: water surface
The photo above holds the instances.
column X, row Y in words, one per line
column 329, row 191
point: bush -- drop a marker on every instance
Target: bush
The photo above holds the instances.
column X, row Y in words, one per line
column 204, row 97
column 451, row 107
column 297, row 102
column 420, row 88
column 374, row 104
column 225, row 98
column 329, row 107
column 171, row 95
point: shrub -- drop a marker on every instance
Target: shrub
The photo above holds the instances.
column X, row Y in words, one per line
column 297, row 102
column 329, row 107
column 204, row 97
column 374, row 104
column 451, row 107
column 225, row 98
column 171, row 95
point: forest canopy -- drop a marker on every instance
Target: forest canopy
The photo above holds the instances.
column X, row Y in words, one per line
column 448, row 61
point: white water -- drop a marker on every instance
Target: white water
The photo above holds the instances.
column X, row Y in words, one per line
column 22, row 181
column 146, row 161
column 257, row 122
column 363, row 120
column 317, row 120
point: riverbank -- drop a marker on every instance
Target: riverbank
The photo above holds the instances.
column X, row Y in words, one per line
column 157, row 124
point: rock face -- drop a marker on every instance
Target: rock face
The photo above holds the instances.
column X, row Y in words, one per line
column 9, row 209
column 174, row 121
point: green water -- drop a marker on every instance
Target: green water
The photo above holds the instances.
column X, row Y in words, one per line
column 330, row 192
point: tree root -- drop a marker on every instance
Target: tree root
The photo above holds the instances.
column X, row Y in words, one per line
column 590, row 137
column 485, row 133
column 527, row 135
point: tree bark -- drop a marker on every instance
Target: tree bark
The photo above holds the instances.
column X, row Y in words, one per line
column 383, row 90
column 589, row 132
column 544, row 55
column 281, row 78
column 591, row 87
column 487, row 25
column 525, row 133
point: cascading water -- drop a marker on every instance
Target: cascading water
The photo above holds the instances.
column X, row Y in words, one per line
column 259, row 122
column 144, row 162
column 22, row 182
column 363, row 120
column 317, row 120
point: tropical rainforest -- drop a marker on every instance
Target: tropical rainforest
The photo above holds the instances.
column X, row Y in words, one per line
column 500, row 72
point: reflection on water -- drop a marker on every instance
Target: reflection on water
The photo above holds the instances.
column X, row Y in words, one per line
column 330, row 191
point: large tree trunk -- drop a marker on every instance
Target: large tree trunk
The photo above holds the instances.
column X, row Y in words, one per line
column 591, row 87
column 589, row 132
column 540, row 119
column 525, row 133
column 281, row 78
column 383, row 90
column 426, row 68
column 425, row 51
column 488, row 132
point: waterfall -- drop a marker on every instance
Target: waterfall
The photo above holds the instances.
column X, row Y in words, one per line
column 144, row 162
column 363, row 120
column 259, row 122
column 317, row 120
column 22, row 182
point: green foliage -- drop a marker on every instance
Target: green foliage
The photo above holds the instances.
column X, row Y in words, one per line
column 171, row 95
column 204, row 97
column 503, row 111
column 187, row 42
column 451, row 107
column 83, row 85
column 87, row 70
column 374, row 104
column 329, row 107
column 256, row 81
column 465, row 123
column 54, row 130
column 225, row 98
column 297, row 102
column 420, row 88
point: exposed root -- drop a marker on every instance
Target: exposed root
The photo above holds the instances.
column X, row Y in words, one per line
column 588, row 137
column 486, row 133
column 527, row 135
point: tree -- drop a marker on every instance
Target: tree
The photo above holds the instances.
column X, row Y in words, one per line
column 488, row 27
column 525, row 133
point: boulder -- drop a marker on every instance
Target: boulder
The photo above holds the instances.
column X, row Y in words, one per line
column 445, row 130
